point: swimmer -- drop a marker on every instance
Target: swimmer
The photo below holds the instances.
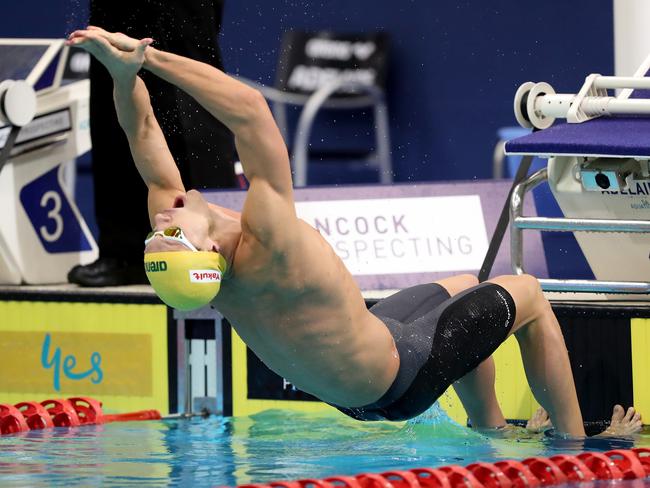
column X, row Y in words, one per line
column 287, row 293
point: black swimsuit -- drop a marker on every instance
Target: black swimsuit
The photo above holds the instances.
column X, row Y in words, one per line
column 439, row 340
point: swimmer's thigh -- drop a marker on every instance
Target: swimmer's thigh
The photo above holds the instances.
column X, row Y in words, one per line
column 469, row 327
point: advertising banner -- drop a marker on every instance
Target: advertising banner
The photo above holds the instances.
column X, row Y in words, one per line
column 402, row 235
column 311, row 60
column 116, row 353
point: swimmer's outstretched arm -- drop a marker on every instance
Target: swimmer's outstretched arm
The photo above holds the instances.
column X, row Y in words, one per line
column 149, row 148
column 135, row 114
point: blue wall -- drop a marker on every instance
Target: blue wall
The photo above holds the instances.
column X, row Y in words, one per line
column 42, row 18
column 455, row 65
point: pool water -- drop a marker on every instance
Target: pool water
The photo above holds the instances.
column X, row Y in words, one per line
column 269, row 446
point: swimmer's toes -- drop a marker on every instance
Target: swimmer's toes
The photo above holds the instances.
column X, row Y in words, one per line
column 629, row 414
column 539, row 421
column 617, row 414
column 621, row 424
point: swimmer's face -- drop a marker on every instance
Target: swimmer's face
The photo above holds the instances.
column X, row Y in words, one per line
column 192, row 214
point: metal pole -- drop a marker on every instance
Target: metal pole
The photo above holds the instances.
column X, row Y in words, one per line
column 516, row 211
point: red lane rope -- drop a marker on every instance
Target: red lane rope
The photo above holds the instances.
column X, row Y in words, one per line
column 529, row 473
column 70, row 412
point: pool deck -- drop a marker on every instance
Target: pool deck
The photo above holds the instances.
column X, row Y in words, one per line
column 145, row 294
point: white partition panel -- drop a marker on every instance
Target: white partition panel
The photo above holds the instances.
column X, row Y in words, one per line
column 631, row 35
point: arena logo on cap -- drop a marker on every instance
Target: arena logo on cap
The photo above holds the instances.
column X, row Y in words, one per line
column 153, row 266
column 205, row 276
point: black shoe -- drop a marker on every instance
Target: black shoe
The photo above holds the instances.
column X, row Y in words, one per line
column 108, row 272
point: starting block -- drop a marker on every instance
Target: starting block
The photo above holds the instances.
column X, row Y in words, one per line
column 42, row 233
column 598, row 169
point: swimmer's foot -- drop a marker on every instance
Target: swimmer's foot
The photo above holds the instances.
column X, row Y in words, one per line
column 502, row 431
column 623, row 423
column 540, row 421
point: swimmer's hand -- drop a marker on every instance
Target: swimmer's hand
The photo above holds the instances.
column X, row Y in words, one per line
column 122, row 55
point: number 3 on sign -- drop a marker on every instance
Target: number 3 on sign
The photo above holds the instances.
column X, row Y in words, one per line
column 53, row 218
column 54, row 214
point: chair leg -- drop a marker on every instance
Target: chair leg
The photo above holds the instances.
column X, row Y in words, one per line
column 382, row 133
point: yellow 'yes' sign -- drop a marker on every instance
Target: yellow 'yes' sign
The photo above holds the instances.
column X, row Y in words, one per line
column 114, row 352
column 76, row 362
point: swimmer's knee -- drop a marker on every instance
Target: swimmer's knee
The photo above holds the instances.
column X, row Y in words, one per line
column 529, row 298
column 532, row 286
column 470, row 278
column 536, row 302
column 466, row 280
column 526, row 288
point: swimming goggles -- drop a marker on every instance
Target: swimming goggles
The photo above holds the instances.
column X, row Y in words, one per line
column 172, row 234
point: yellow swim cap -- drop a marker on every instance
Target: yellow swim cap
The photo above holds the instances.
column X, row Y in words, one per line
column 185, row 280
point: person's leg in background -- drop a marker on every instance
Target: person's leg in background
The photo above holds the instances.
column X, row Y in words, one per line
column 202, row 147
column 120, row 195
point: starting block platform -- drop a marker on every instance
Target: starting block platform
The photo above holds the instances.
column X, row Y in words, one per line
column 599, row 173
column 42, row 233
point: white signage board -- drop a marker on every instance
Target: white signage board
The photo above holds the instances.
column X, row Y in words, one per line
column 402, row 235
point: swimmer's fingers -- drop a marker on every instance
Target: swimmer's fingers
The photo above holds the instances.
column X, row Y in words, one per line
column 120, row 41
column 95, row 44
column 77, row 34
column 120, row 64
column 81, row 36
column 117, row 39
column 84, row 42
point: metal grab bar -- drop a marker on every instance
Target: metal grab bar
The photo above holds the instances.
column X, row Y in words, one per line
column 287, row 98
column 595, row 286
column 582, row 225
column 518, row 223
